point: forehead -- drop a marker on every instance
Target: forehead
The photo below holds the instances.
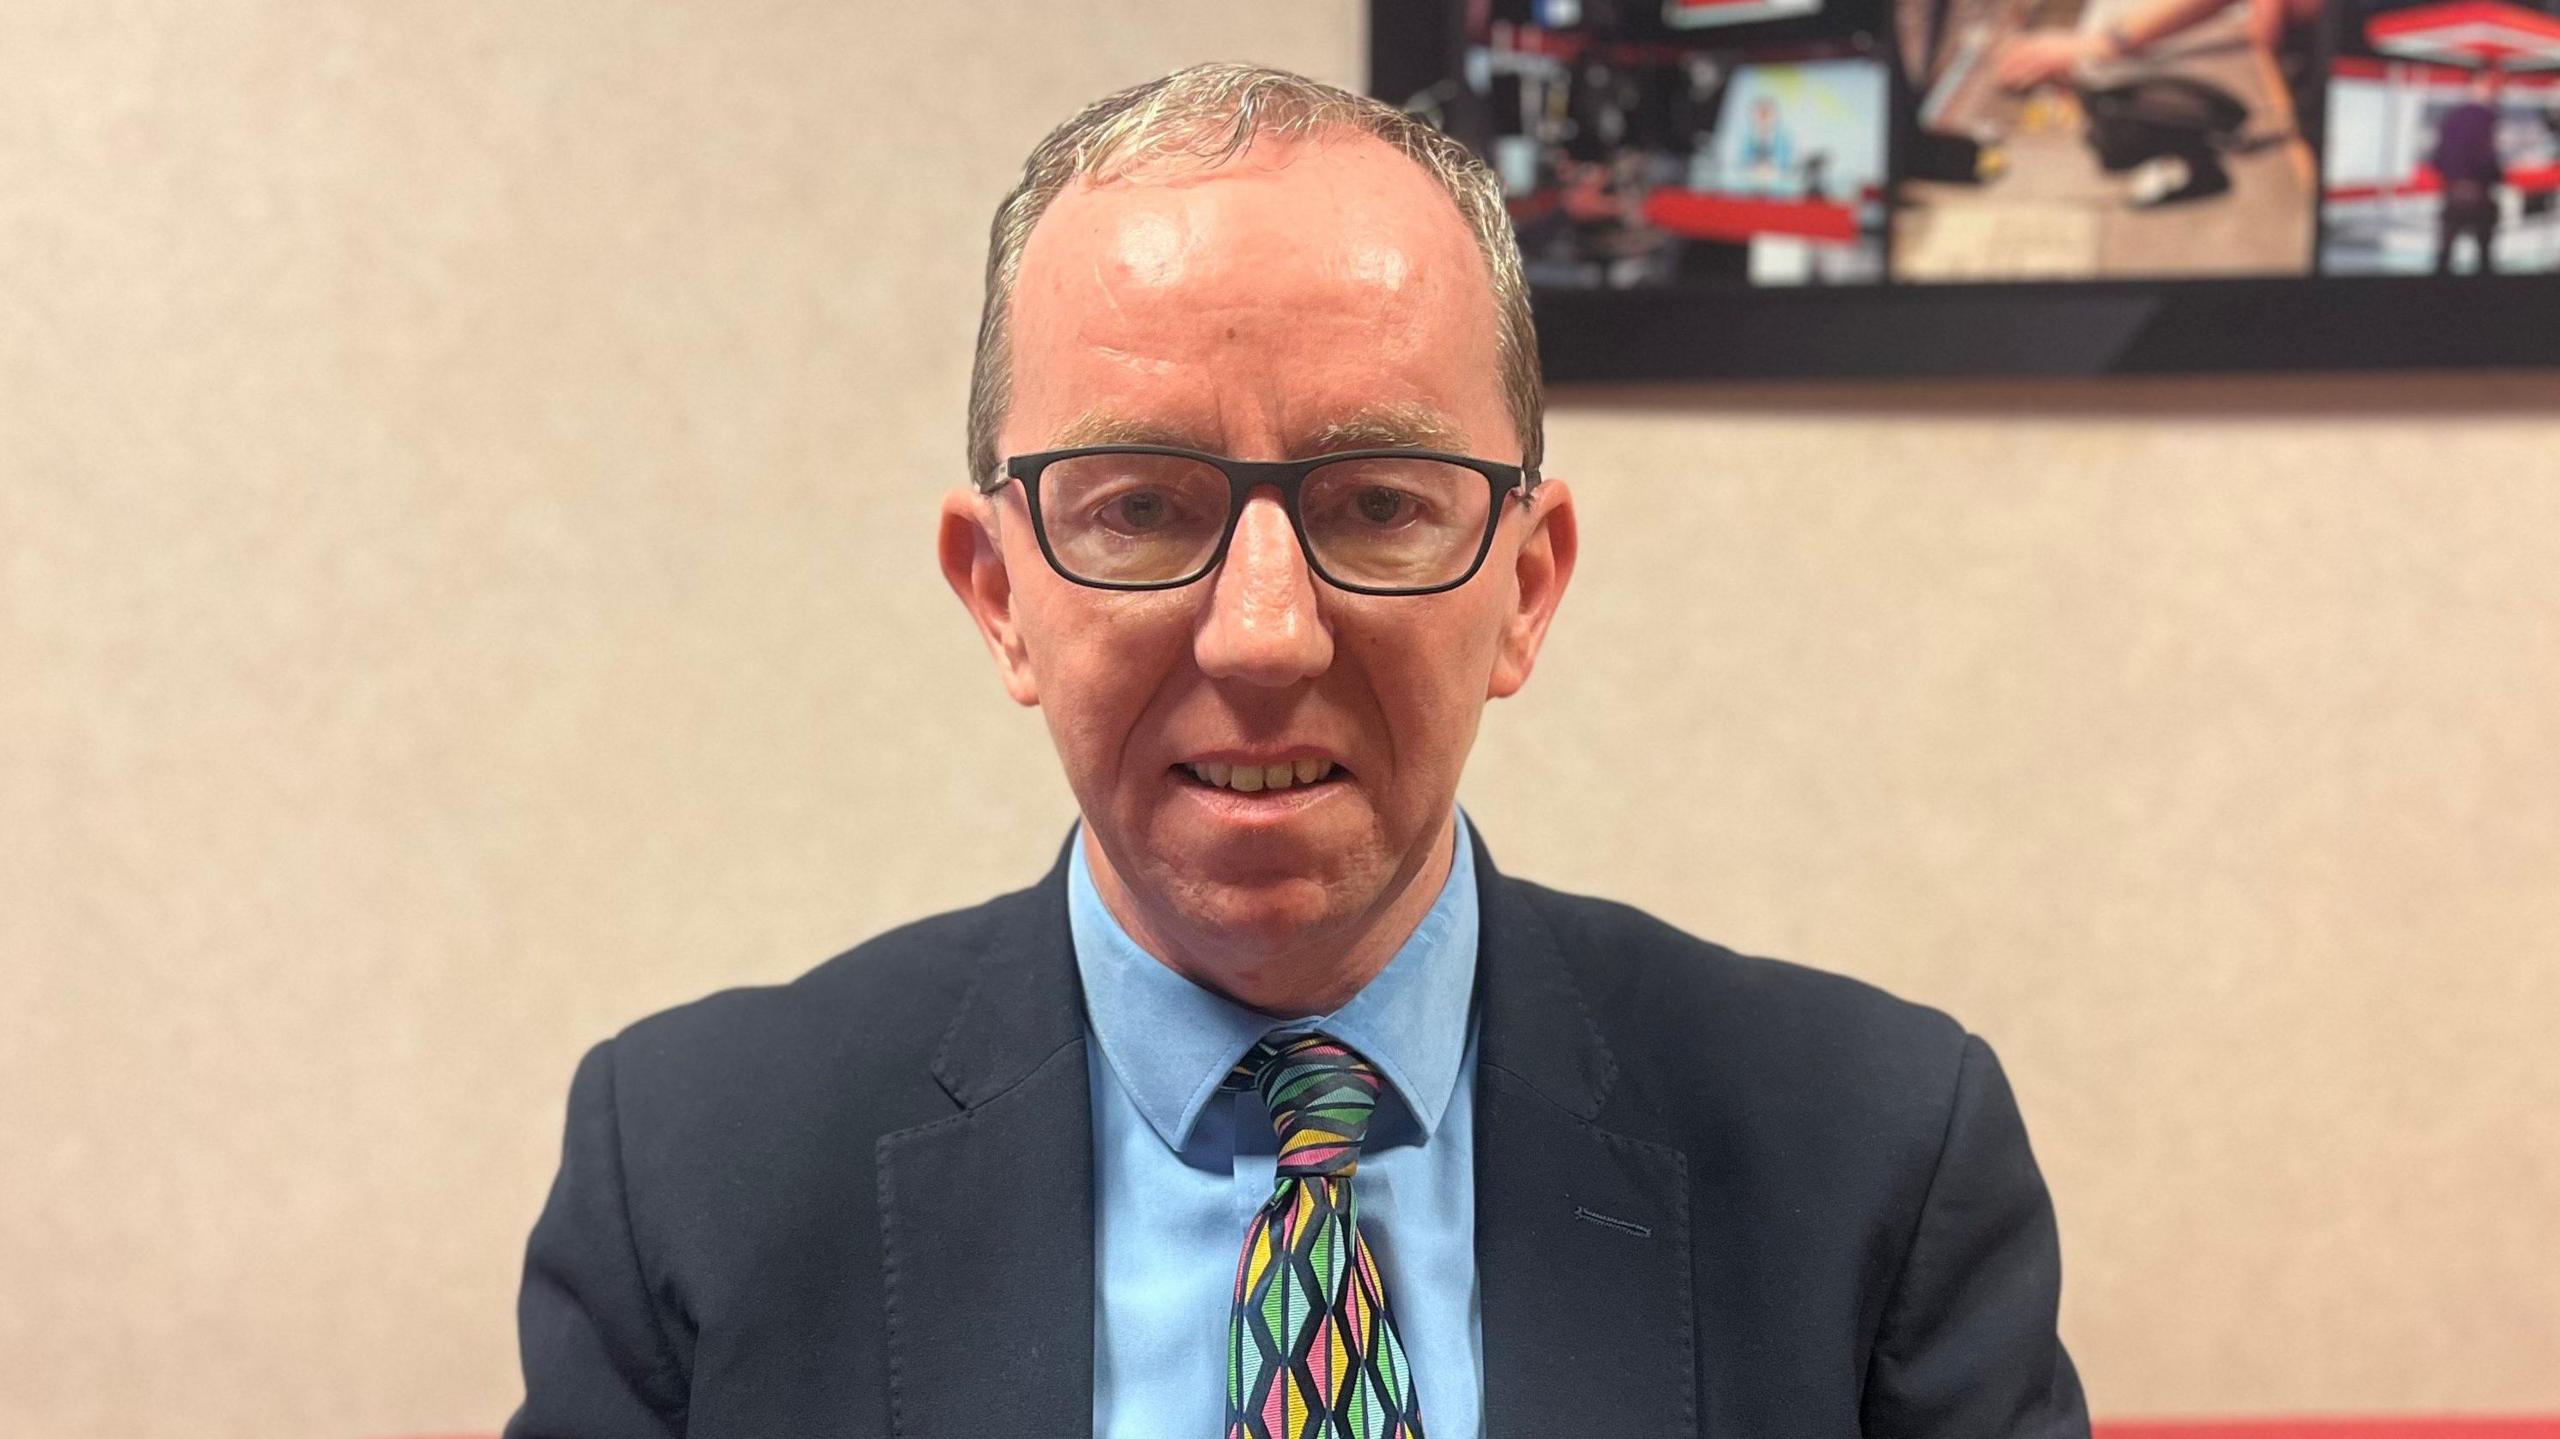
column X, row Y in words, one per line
column 1302, row 288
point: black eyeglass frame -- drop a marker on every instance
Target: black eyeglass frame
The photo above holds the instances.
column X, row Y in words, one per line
column 1246, row 476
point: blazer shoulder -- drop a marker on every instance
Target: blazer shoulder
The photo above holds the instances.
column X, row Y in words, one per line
column 867, row 1017
column 1691, row 1005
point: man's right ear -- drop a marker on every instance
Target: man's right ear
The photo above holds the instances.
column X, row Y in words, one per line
column 972, row 556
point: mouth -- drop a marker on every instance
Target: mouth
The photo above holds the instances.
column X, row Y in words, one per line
column 1277, row 778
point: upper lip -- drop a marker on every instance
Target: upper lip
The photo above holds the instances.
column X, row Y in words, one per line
column 1264, row 755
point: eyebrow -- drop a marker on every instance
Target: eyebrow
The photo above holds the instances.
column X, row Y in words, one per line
column 1405, row 425
column 1390, row 427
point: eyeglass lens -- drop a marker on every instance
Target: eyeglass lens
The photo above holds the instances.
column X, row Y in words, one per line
column 1386, row 523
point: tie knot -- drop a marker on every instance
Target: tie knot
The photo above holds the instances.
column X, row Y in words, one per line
column 1320, row 1092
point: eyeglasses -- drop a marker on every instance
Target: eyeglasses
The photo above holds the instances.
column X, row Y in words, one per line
column 1374, row 522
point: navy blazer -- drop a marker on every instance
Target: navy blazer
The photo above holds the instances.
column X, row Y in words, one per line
column 1715, row 1196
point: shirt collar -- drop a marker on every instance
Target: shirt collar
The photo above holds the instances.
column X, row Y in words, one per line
column 1172, row 1042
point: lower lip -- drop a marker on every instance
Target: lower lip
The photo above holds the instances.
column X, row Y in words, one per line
column 1268, row 806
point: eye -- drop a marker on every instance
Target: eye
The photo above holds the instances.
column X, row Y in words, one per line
column 1383, row 507
column 1138, row 511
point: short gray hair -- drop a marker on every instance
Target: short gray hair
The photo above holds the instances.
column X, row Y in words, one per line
column 1211, row 113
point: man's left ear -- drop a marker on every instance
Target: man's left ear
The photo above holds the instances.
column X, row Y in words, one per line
column 1542, row 568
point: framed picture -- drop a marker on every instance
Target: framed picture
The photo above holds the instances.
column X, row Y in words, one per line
column 1790, row 188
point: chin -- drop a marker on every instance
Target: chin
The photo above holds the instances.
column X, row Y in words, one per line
column 1272, row 911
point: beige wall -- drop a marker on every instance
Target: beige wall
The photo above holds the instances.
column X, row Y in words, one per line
column 465, row 478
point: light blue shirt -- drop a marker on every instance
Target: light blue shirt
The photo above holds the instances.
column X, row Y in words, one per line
column 1180, row 1167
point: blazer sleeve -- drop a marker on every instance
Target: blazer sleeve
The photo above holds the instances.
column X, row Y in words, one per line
column 597, row 1360
column 1968, row 1347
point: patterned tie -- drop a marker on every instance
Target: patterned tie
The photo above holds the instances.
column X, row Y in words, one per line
column 1312, row 1351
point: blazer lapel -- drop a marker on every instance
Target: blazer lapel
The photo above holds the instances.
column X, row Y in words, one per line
column 1582, row 1234
column 987, row 1214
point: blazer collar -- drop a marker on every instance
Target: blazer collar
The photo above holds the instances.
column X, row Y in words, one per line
column 986, row 1215
column 1582, row 1234
column 1534, row 1022
column 1025, row 1002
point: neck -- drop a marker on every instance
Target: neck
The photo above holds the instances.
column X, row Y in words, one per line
column 1303, row 972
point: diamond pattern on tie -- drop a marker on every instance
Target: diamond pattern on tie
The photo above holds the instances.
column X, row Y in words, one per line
column 1312, row 1351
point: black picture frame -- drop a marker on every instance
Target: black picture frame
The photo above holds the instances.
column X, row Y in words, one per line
column 2045, row 327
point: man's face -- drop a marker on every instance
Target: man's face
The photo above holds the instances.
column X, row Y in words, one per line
column 1302, row 298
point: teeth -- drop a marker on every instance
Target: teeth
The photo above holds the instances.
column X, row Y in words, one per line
column 1255, row 778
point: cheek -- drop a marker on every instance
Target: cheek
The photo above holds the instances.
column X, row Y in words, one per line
column 1429, row 682
column 1101, row 660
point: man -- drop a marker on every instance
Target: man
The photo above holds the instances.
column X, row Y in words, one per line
column 2466, row 162
column 1275, row 1108
column 1768, row 151
column 2285, row 32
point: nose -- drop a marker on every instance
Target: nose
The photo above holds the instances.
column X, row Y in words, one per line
column 1261, row 625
